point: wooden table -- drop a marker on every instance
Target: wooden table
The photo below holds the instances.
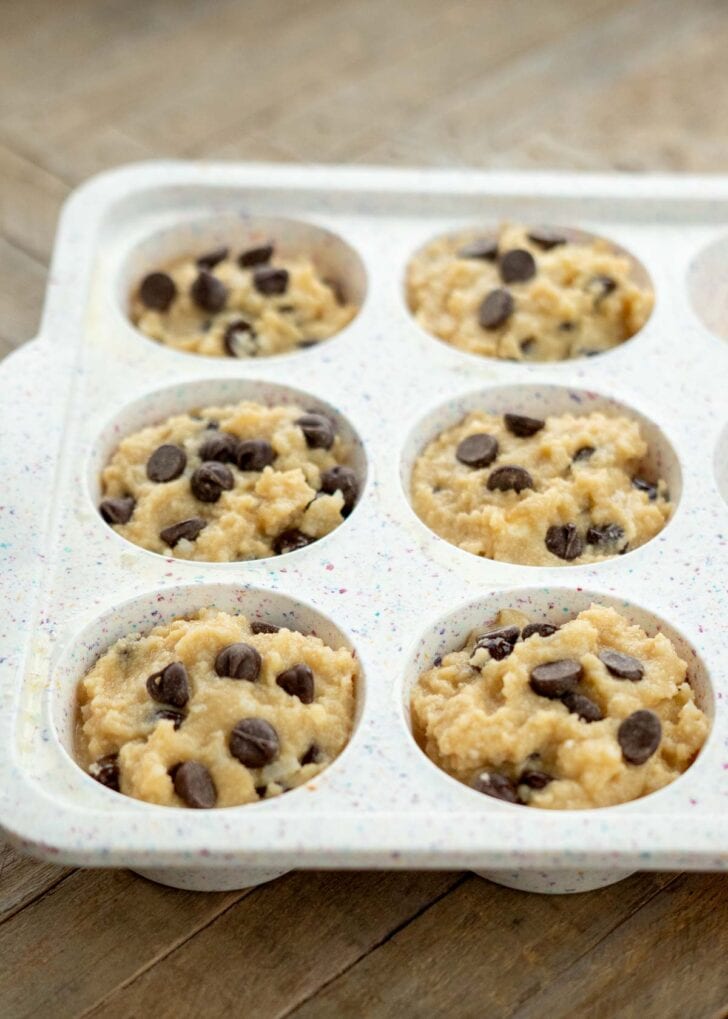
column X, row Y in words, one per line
column 584, row 84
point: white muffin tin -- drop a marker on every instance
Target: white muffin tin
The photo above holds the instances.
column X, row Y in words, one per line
column 382, row 582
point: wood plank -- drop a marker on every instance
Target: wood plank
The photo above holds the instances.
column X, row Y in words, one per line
column 22, row 286
column 30, row 199
column 279, row 945
column 479, row 952
column 23, row 880
column 657, row 949
column 458, row 45
column 613, row 94
column 93, row 930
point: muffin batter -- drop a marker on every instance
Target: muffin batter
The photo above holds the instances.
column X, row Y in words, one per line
column 526, row 294
column 588, row 714
column 214, row 710
column 567, row 489
column 239, row 304
column 228, row 483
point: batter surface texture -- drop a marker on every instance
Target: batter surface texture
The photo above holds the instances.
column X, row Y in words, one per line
column 588, row 714
column 215, row 711
column 245, row 304
column 541, row 492
column 227, row 483
column 526, row 294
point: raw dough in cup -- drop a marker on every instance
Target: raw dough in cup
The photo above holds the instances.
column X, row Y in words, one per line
column 527, row 294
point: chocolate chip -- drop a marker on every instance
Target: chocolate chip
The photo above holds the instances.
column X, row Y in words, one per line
column 318, row 430
column 527, row 345
column 484, row 247
column 517, row 266
column 298, row 682
column 546, row 238
column 117, row 511
column 187, row 530
column 510, row 479
column 254, row 742
column 157, row 291
column 534, row 778
column 208, row 292
column 290, row 541
column 645, row 486
column 601, row 286
column 437, row 661
column 582, row 706
column 106, row 771
column 256, row 627
column 479, row 450
column 209, row 481
column 170, row 715
column 170, row 686
column 193, row 784
column 567, row 327
column 212, row 258
column 239, row 661
column 583, row 453
column 239, row 339
column 344, row 480
column 269, row 281
column 639, row 736
column 604, row 534
column 166, row 463
column 221, row 446
column 254, row 454
column 555, row 679
column 312, row 755
column 542, row 629
column 305, row 344
column 521, row 426
column 259, row 255
column 564, row 541
column 261, row 790
column 622, row 666
column 497, row 647
column 495, row 309
column 498, row 786
column 507, row 633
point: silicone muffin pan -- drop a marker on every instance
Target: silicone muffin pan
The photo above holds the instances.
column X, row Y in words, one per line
column 381, row 583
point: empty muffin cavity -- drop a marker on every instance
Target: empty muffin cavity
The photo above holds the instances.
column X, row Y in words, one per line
column 528, row 293
column 207, row 696
column 556, row 698
column 224, row 471
column 237, row 287
column 540, row 475
column 708, row 286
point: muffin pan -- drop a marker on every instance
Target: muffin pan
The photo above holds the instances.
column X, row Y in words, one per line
column 381, row 583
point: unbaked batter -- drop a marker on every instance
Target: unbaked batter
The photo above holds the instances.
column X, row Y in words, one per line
column 567, row 489
column 243, row 304
column 242, row 481
column 526, row 294
column 214, row 711
column 586, row 714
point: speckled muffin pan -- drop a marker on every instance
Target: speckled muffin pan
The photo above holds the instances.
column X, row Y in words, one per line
column 381, row 583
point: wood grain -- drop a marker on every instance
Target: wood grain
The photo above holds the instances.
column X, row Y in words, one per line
column 573, row 84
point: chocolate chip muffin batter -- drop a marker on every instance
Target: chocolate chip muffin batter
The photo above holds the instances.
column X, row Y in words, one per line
column 215, row 711
column 526, row 294
column 227, row 483
column 586, row 714
column 562, row 490
column 239, row 304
